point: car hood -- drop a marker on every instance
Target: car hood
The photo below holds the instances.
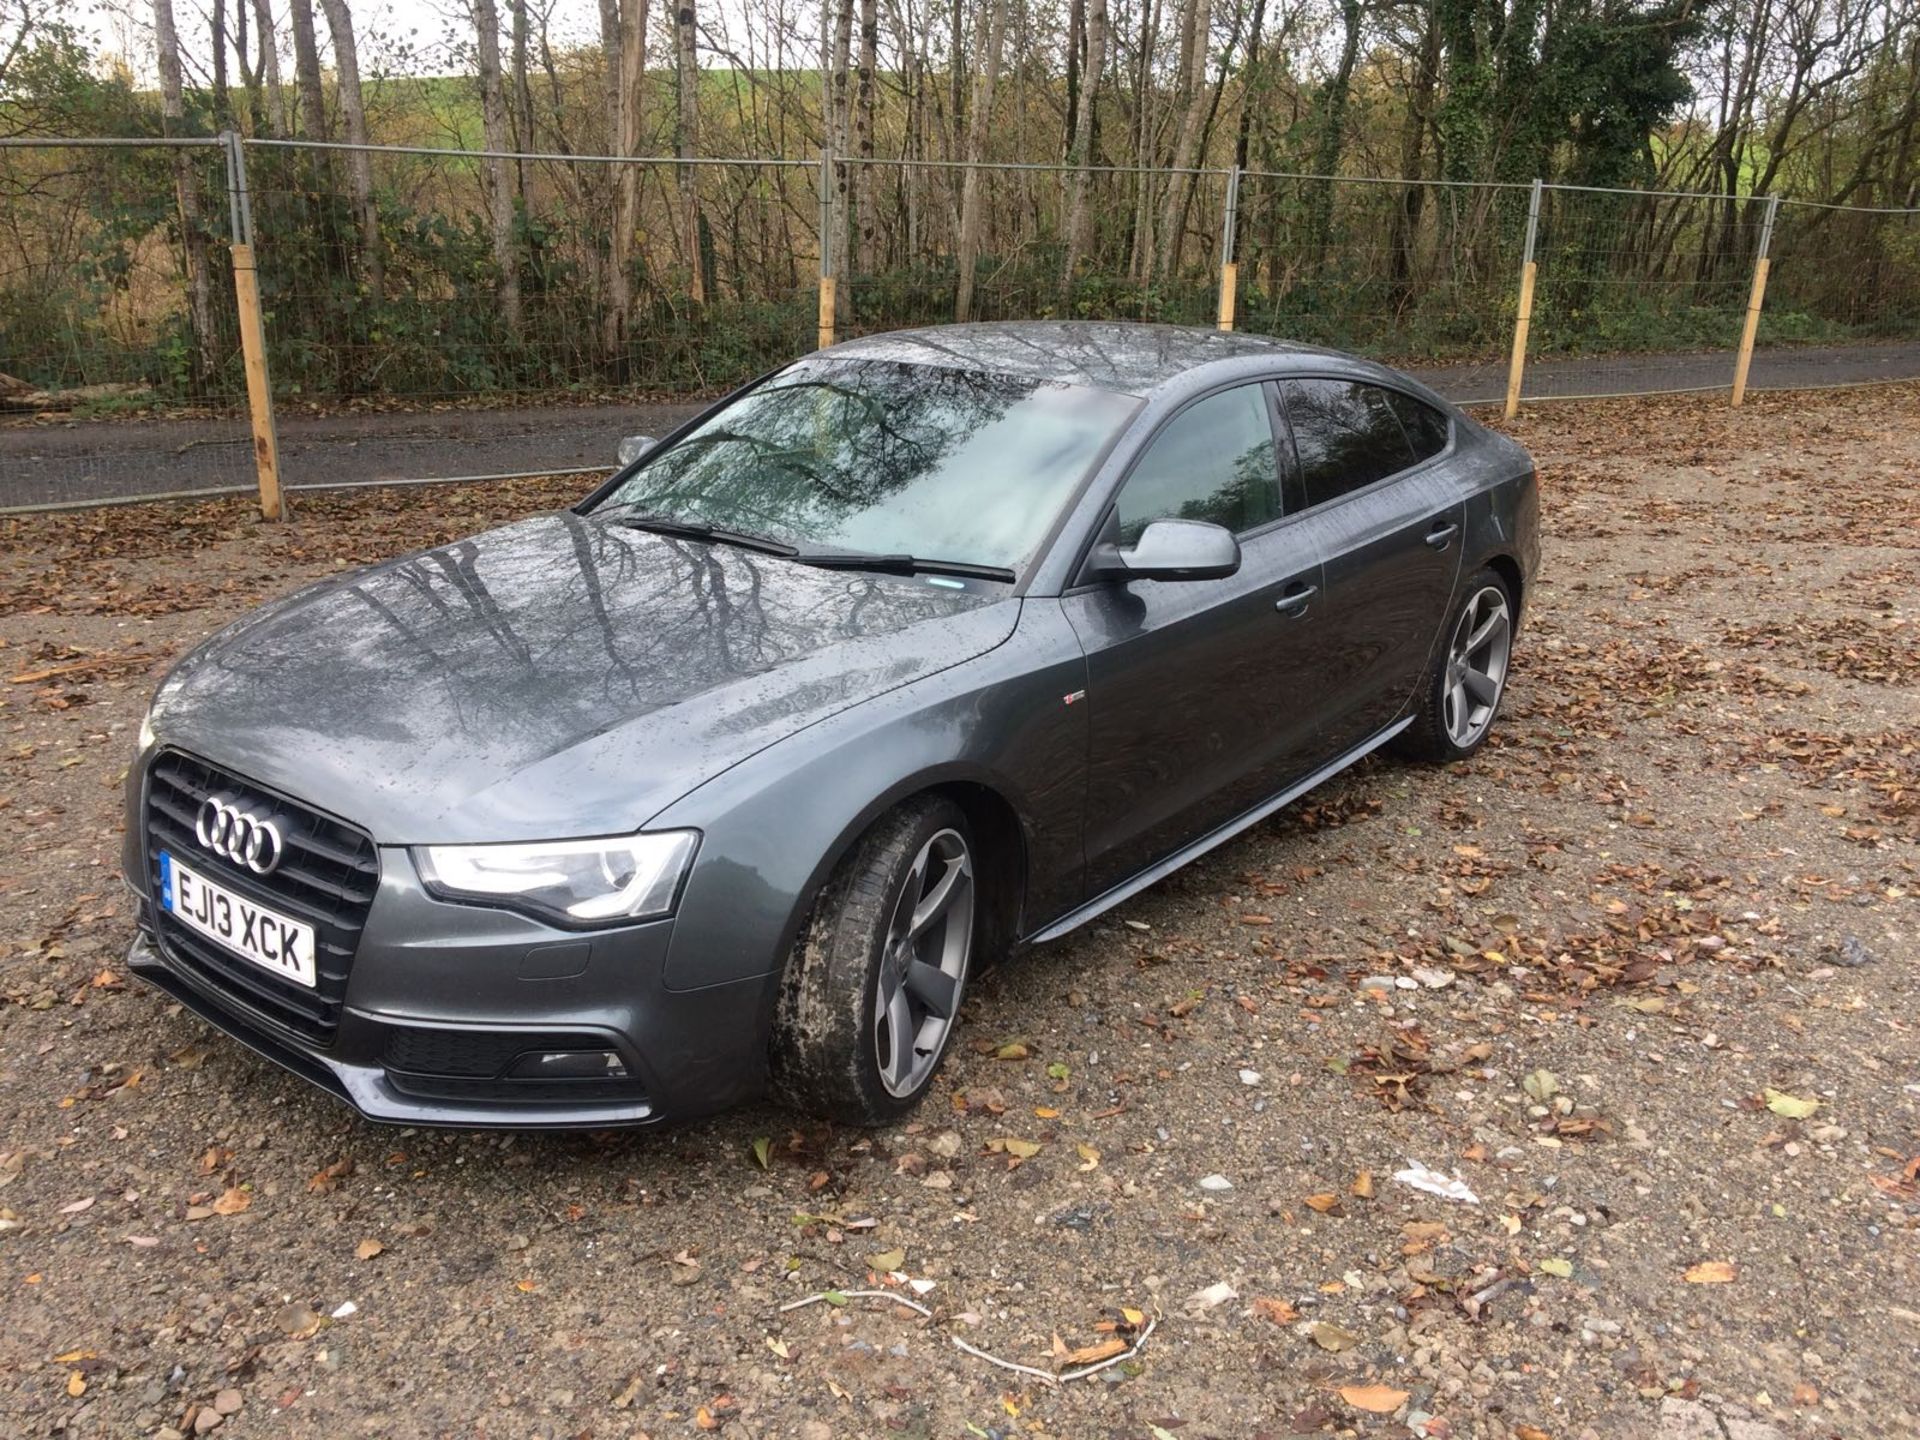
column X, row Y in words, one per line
column 560, row 676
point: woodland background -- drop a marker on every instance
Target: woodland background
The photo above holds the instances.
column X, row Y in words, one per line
column 1385, row 151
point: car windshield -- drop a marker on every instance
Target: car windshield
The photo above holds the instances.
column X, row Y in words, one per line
column 886, row 458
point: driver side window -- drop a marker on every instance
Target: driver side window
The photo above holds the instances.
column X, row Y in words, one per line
column 1213, row 461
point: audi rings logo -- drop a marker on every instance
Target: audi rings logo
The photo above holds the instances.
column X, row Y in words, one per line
column 236, row 835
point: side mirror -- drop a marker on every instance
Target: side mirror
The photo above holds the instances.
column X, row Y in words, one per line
column 634, row 446
column 1170, row 550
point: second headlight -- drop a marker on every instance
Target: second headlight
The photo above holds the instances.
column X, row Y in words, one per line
column 574, row 882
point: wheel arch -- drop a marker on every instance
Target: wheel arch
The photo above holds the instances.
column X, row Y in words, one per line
column 1001, row 851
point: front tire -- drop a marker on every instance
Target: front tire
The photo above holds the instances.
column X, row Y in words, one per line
column 1468, row 678
column 873, row 987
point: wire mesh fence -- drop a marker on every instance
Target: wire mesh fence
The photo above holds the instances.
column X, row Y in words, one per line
column 120, row 364
column 434, row 314
column 1407, row 271
column 1153, row 254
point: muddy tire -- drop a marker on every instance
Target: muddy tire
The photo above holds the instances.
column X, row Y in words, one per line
column 1461, row 695
column 872, row 990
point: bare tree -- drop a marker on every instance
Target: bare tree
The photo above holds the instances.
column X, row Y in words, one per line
column 686, row 80
column 493, row 128
column 1080, row 153
column 192, row 232
column 270, row 69
column 1194, row 28
column 992, row 36
column 863, row 138
column 306, row 69
column 353, row 116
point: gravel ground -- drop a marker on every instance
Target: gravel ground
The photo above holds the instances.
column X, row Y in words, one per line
column 1642, row 977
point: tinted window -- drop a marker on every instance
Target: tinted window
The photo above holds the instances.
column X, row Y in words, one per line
column 1212, row 461
column 1426, row 427
column 1346, row 434
column 883, row 457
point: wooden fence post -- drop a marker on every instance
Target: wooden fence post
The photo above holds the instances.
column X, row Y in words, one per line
column 1761, row 264
column 253, row 348
column 253, row 333
column 1523, row 317
column 1229, row 267
column 828, row 281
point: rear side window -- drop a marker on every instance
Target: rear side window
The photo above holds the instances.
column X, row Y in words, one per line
column 1346, row 435
column 1426, row 427
column 1213, row 461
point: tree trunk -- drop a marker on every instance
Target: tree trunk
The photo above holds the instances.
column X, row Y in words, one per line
column 839, row 101
column 222, row 101
column 306, row 70
column 493, row 129
column 992, row 38
column 1186, row 148
column 192, row 232
column 1406, row 216
column 1140, row 242
column 686, row 80
column 522, row 95
column 1081, row 154
column 270, row 68
column 863, row 206
column 353, row 116
column 1333, row 130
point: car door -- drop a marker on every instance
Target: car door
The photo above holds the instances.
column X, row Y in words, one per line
column 1193, row 686
column 1387, row 522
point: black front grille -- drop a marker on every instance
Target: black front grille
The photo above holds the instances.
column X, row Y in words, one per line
column 326, row 877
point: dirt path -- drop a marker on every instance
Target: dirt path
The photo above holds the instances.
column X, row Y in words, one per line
column 1644, row 975
column 61, row 462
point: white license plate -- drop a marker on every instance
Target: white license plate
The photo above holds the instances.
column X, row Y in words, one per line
column 266, row 937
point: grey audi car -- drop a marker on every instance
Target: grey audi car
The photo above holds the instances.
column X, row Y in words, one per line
column 923, row 649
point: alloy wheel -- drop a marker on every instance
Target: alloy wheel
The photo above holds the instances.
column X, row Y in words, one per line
column 924, row 965
column 1477, row 666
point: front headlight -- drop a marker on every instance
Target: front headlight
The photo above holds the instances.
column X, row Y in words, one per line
column 576, row 882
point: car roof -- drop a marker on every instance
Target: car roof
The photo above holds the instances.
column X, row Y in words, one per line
column 1134, row 359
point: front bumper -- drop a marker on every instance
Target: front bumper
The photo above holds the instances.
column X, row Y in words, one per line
column 445, row 1004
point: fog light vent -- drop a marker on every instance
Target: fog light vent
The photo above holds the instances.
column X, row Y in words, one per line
column 569, row 1065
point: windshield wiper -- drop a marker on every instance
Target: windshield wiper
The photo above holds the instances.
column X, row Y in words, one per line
column 700, row 530
column 903, row 565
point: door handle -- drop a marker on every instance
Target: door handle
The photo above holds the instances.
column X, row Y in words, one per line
column 1442, row 534
column 1294, row 602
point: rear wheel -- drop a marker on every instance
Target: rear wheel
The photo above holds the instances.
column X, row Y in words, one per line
column 873, row 987
column 1469, row 675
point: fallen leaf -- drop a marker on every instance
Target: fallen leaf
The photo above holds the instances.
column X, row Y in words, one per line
column 1378, row 1399
column 1791, row 1106
column 328, row 1179
column 762, row 1150
column 1711, row 1272
column 1089, row 1158
column 1362, row 1187
column 1325, row 1203
column 1562, row 1268
column 1329, row 1336
column 77, row 1206
column 1278, row 1311
column 1012, row 1050
column 76, row 1384
column 1541, row 1085
column 367, row 1249
column 232, row 1201
column 1094, row 1354
column 779, row 1347
column 1018, row 1149
column 887, row 1260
